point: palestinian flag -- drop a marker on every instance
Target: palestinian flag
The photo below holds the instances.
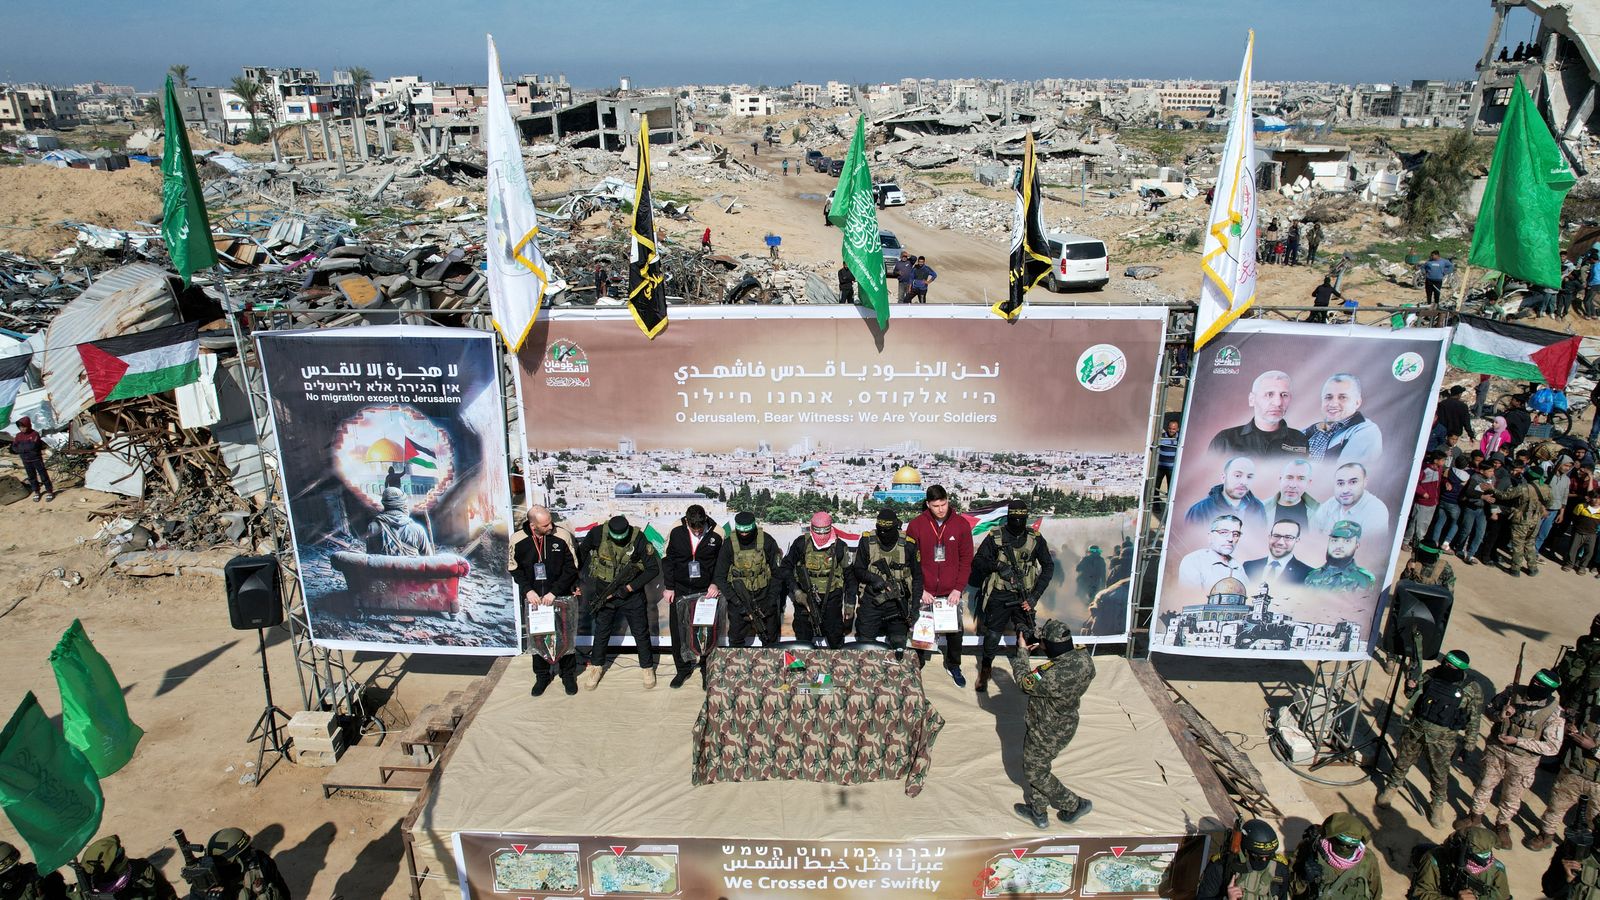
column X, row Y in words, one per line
column 985, row 519
column 13, row 378
column 420, row 457
column 1517, row 352
column 149, row 362
column 792, row 661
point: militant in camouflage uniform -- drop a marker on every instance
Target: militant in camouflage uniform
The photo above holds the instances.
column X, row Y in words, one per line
column 1255, row 868
column 1426, row 567
column 245, row 873
column 1463, row 864
column 1574, row 872
column 21, row 881
column 1579, row 669
column 1528, row 725
column 1443, row 711
column 1054, row 691
column 107, row 872
column 1333, row 862
column 1529, row 502
column 1580, row 773
column 1339, row 571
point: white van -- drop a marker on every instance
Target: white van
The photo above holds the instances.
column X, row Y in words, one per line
column 1077, row 260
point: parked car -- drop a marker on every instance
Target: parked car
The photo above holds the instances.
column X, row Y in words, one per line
column 1077, row 261
column 891, row 250
column 889, row 194
column 821, row 163
column 835, row 166
column 812, row 156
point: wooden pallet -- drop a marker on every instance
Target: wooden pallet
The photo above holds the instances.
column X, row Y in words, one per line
column 374, row 769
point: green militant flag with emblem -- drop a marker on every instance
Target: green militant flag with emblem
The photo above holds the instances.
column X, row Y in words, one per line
column 647, row 294
column 855, row 211
column 184, row 225
column 1519, row 223
column 1030, row 250
column 94, row 713
column 48, row 790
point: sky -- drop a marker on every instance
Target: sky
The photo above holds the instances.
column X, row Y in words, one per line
column 594, row 42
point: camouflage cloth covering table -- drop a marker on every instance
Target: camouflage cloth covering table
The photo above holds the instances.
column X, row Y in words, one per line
column 847, row 717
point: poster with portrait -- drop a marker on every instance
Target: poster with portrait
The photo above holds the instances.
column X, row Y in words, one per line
column 1298, row 456
column 391, row 442
column 787, row 411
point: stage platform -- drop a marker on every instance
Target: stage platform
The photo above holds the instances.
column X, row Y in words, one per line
column 613, row 766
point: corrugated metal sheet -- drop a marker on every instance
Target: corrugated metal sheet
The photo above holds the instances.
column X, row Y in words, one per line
column 131, row 299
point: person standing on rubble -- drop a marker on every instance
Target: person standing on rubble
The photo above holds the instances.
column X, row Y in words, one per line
column 847, row 284
column 1434, row 272
column 1292, row 243
column 28, row 445
column 601, row 281
column 705, row 240
column 1313, row 241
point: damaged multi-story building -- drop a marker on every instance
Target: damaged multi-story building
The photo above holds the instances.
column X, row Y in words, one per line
column 1559, row 68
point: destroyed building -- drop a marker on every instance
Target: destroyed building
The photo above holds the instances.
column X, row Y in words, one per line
column 1559, row 70
column 608, row 123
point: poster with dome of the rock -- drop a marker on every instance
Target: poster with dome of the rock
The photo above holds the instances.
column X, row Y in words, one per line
column 787, row 412
column 392, row 445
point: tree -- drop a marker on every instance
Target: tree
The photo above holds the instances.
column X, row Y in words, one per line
column 361, row 79
column 249, row 94
column 1439, row 184
column 725, row 97
column 179, row 73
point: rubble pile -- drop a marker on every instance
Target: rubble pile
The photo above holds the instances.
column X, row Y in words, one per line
column 964, row 212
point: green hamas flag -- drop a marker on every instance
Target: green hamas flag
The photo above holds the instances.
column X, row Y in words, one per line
column 184, row 225
column 1519, row 230
column 47, row 788
column 856, row 212
column 94, row 714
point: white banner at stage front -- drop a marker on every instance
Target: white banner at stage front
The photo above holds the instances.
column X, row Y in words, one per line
column 542, row 619
column 1300, row 448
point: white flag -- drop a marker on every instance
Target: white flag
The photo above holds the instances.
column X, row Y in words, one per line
column 1228, row 285
column 518, row 277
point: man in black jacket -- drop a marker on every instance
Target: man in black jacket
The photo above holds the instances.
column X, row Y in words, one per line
column 1454, row 414
column 547, row 570
column 750, row 577
column 689, row 568
column 619, row 563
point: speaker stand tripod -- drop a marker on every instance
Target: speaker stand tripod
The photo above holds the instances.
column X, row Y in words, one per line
column 267, row 730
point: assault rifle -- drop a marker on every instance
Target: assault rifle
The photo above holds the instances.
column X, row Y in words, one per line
column 1579, row 839
column 804, row 599
column 891, row 586
column 1454, row 878
column 1308, row 863
column 199, row 872
column 745, row 606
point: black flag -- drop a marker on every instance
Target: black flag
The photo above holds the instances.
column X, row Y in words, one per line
column 1030, row 251
column 647, row 296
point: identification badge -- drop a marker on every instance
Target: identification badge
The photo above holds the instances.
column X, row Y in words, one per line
column 938, row 553
column 694, row 568
column 705, row 612
column 922, row 634
column 541, row 572
column 542, row 619
column 946, row 615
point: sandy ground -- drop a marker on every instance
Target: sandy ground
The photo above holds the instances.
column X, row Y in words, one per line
column 36, row 198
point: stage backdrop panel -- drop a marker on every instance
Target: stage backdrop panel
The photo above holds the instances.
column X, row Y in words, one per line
column 1281, row 540
column 785, row 411
column 391, row 441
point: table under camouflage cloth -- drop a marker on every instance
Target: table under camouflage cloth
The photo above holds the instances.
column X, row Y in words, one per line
column 846, row 717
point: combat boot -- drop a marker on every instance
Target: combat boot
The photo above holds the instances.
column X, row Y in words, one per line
column 1083, row 808
column 1040, row 820
column 1437, row 812
column 1385, row 798
column 1502, row 836
column 541, row 683
column 1538, row 842
column 982, row 684
column 678, row 679
column 569, row 683
column 591, row 678
column 1467, row 821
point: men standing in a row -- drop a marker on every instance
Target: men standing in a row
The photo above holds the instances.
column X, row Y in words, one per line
column 1443, row 711
column 819, row 578
column 944, row 545
column 688, row 571
column 889, row 573
column 1527, row 725
column 1055, row 689
column 1580, row 773
column 749, row 577
column 621, row 561
column 1013, row 567
column 547, row 572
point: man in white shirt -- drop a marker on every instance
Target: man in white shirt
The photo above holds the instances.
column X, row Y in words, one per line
column 1206, row 567
column 1351, row 503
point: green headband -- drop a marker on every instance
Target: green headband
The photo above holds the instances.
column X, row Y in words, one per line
column 745, row 528
column 1455, row 660
column 616, row 535
column 1544, row 678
